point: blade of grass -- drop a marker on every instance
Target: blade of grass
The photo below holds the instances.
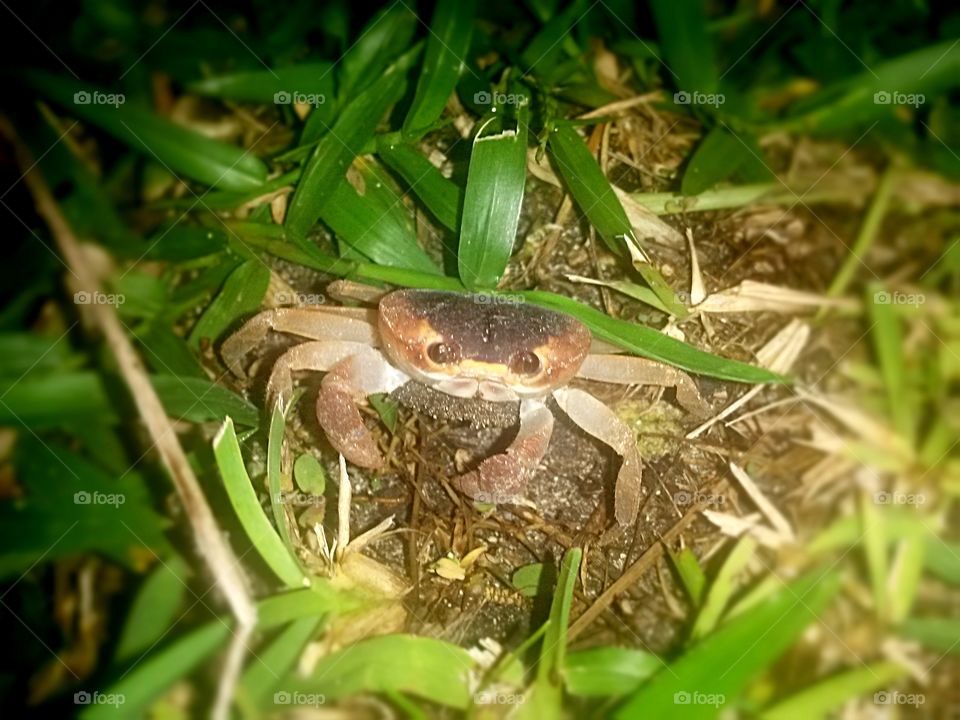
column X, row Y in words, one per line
column 723, row 663
column 685, row 44
column 604, row 671
column 245, row 503
column 387, row 35
column 649, row 343
column 154, row 609
column 375, row 222
column 196, row 156
column 887, row 335
column 200, row 400
column 593, row 194
column 269, row 86
column 491, row 202
column 546, row 695
column 875, row 542
column 937, row 633
column 431, row 669
column 242, row 293
column 691, row 574
column 717, row 157
column 277, row 659
column 723, row 587
column 449, row 42
column 827, row 695
column 335, row 152
column 441, row 197
column 274, row 471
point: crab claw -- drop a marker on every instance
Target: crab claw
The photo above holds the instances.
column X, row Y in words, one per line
column 502, row 477
column 600, row 421
column 349, row 380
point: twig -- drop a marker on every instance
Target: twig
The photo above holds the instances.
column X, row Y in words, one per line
column 213, row 547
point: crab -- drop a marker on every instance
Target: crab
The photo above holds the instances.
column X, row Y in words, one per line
column 467, row 346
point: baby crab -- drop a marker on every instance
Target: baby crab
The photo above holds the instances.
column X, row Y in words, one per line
column 466, row 346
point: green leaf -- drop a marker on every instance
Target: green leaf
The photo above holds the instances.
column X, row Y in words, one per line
column 277, row 659
column 333, row 155
column 447, row 47
column 71, row 506
column 177, row 148
column 387, row 35
column 44, row 400
column 386, row 409
column 309, row 474
column 888, row 343
column 431, row 669
column 154, row 609
column 271, row 86
column 603, row 671
column 200, row 400
column 527, row 579
column 491, row 202
column 827, row 695
column 275, row 474
column 723, row 587
column 155, row 674
column 938, row 634
column 943, row 559
column 690, row 573
column 652, row 344
column 595, row 196
column 717, row 157
column 686, row 45
column 242, row 293
column 244, row 500
column 546, row 695
column 719, row 667
column 374, row 221
column 441, row 197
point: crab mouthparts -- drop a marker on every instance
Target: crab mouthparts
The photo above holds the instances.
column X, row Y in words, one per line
column 474, row 387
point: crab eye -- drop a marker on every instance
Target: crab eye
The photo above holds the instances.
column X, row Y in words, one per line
column 443, row 354
column 525, row 363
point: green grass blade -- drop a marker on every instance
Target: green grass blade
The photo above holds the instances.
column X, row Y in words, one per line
column 200, row 400
column 151, row 677
column 376, row 222
column 887, row 335
column 491, row 202
column 604, row 671
column 649, row 343
column 940, row 634
column 333, row 155
column 717, row 157
column 280, row 86
column 387, row 35
column 154, row 609
column 242, row 293
column 685, row 42
column 830, row 694
column 183, row 151
column 723, row 587
column 594, row 195
column 274, row 474
column 447, row 47
column 431, row 669
column 242, row 496
column 546, row 695
column 277, row 659
column 441, row 197
column 943, row 560
column 690, row 573
column 719, row 667
column 875, row 541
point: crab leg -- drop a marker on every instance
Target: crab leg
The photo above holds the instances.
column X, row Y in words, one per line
column 317, row 323
column 502, row 477
column 630, row 370
column 600, row 421
column 354, row 370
